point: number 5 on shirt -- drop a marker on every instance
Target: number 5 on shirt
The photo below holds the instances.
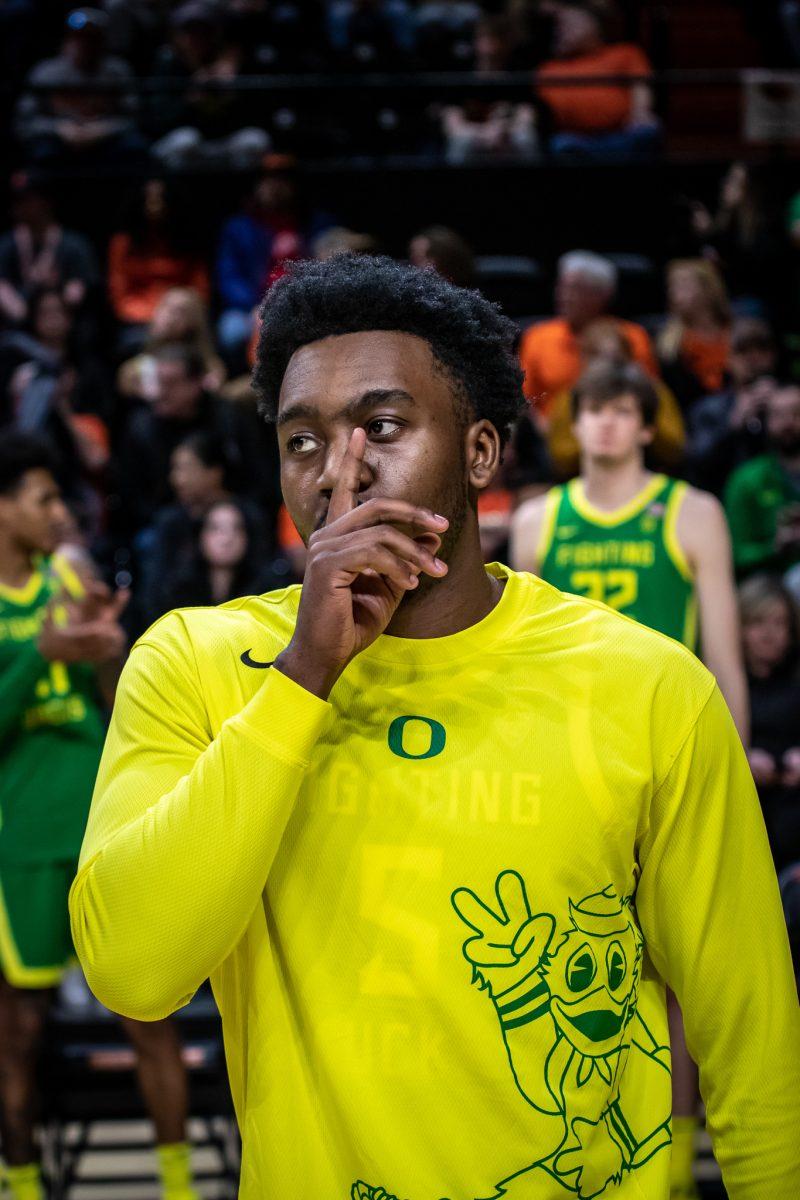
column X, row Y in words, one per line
column 406, row 944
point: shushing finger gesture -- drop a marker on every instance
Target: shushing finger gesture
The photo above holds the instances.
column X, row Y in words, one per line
column 360, row 564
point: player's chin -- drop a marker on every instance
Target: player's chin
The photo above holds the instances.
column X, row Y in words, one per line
column 607, row 457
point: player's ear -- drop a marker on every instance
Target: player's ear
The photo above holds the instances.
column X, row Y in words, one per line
column 647, row 435
column 483, row 453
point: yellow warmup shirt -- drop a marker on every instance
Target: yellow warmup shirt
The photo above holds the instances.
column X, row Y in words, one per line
column 439, row 909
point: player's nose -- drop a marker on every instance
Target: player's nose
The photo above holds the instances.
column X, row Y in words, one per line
column 333, row 462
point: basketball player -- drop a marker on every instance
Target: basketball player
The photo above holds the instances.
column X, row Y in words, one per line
column 437, row 832
column 657, row 550
column 56, row 640
column 647, row 545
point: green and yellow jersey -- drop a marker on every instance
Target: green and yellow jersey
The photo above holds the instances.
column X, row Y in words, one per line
column 630, row 558
column 438, row 909
column 51, row 728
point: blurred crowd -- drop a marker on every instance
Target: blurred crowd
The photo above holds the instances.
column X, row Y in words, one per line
column 130, row 355
column 134, row 365
column 138, row 80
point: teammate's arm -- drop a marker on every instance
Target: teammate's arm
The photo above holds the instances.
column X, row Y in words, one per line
column 525, row 532
column 710, row 911
column 703, row 534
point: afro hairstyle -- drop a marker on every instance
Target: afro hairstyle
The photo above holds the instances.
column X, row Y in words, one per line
column 469, row 337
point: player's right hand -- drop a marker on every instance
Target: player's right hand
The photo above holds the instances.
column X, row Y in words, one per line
column 360, row 564
column 91, row 632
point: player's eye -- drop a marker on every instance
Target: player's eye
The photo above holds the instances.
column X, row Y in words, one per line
column 581, row 969
column 393, row 425
column 292, row 444
column 616, row 965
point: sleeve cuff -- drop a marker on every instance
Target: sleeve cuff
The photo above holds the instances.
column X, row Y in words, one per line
column 284, row 717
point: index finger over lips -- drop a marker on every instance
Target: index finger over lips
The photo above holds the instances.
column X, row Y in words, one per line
column 344, row 497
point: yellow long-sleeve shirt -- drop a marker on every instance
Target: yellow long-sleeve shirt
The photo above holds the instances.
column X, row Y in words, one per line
column 439, row 909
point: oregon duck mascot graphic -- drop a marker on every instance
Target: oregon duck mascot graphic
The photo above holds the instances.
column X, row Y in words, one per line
column 566, row 1003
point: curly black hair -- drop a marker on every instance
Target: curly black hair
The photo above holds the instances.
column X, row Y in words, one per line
column 469, row 337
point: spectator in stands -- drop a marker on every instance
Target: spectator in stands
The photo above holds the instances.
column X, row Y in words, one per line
column 371, row 35
column 150, row 255
column 480, row 129
column 606, row 120
column 199, row 125
column 762, row 497
column 228, row 561
column 38, row 253
column 181, row 406
column 338, row 240
column 74, row 126
column 727, row 428
column 603, row 341
column 180, row 317
column 273, row 228
column 49, row 343
column 745, row 238
column 446, row 251
column 200, row 476
column 694, row 343
column 771, row 639
column 61, row 393
column 550, row 351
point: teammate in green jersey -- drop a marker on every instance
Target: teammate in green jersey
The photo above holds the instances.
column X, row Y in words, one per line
column 647, row 545
column 657, row 550
column 60, row 641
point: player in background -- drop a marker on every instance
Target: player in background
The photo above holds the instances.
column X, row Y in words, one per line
column 60, row 650
column 437, row 832
column 657, row 550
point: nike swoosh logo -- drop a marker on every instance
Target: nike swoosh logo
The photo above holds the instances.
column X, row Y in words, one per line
column 252, row 662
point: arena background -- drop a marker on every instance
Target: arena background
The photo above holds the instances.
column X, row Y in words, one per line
column 374, row 118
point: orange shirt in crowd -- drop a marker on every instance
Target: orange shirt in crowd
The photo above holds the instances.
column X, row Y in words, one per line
column 706, row 358
column 288, row 537
column 550, row 356
column 137, row 280
column 599, row 109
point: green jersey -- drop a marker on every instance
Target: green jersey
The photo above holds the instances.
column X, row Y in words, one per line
column 630, row 559
column 51, row 729
column 756, row 495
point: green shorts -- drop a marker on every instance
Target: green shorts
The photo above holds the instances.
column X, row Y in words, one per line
column 35, row 940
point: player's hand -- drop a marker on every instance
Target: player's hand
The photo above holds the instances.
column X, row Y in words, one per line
column 360, row 564
column 790, row 774
column 91, row 632
column 509, row 942
column 763, row 767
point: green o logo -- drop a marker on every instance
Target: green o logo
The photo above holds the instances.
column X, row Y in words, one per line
column 424, row 732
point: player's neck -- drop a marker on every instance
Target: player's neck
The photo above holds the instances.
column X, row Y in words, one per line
column 608, row 486
column 463, row 598
column 16, row 563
